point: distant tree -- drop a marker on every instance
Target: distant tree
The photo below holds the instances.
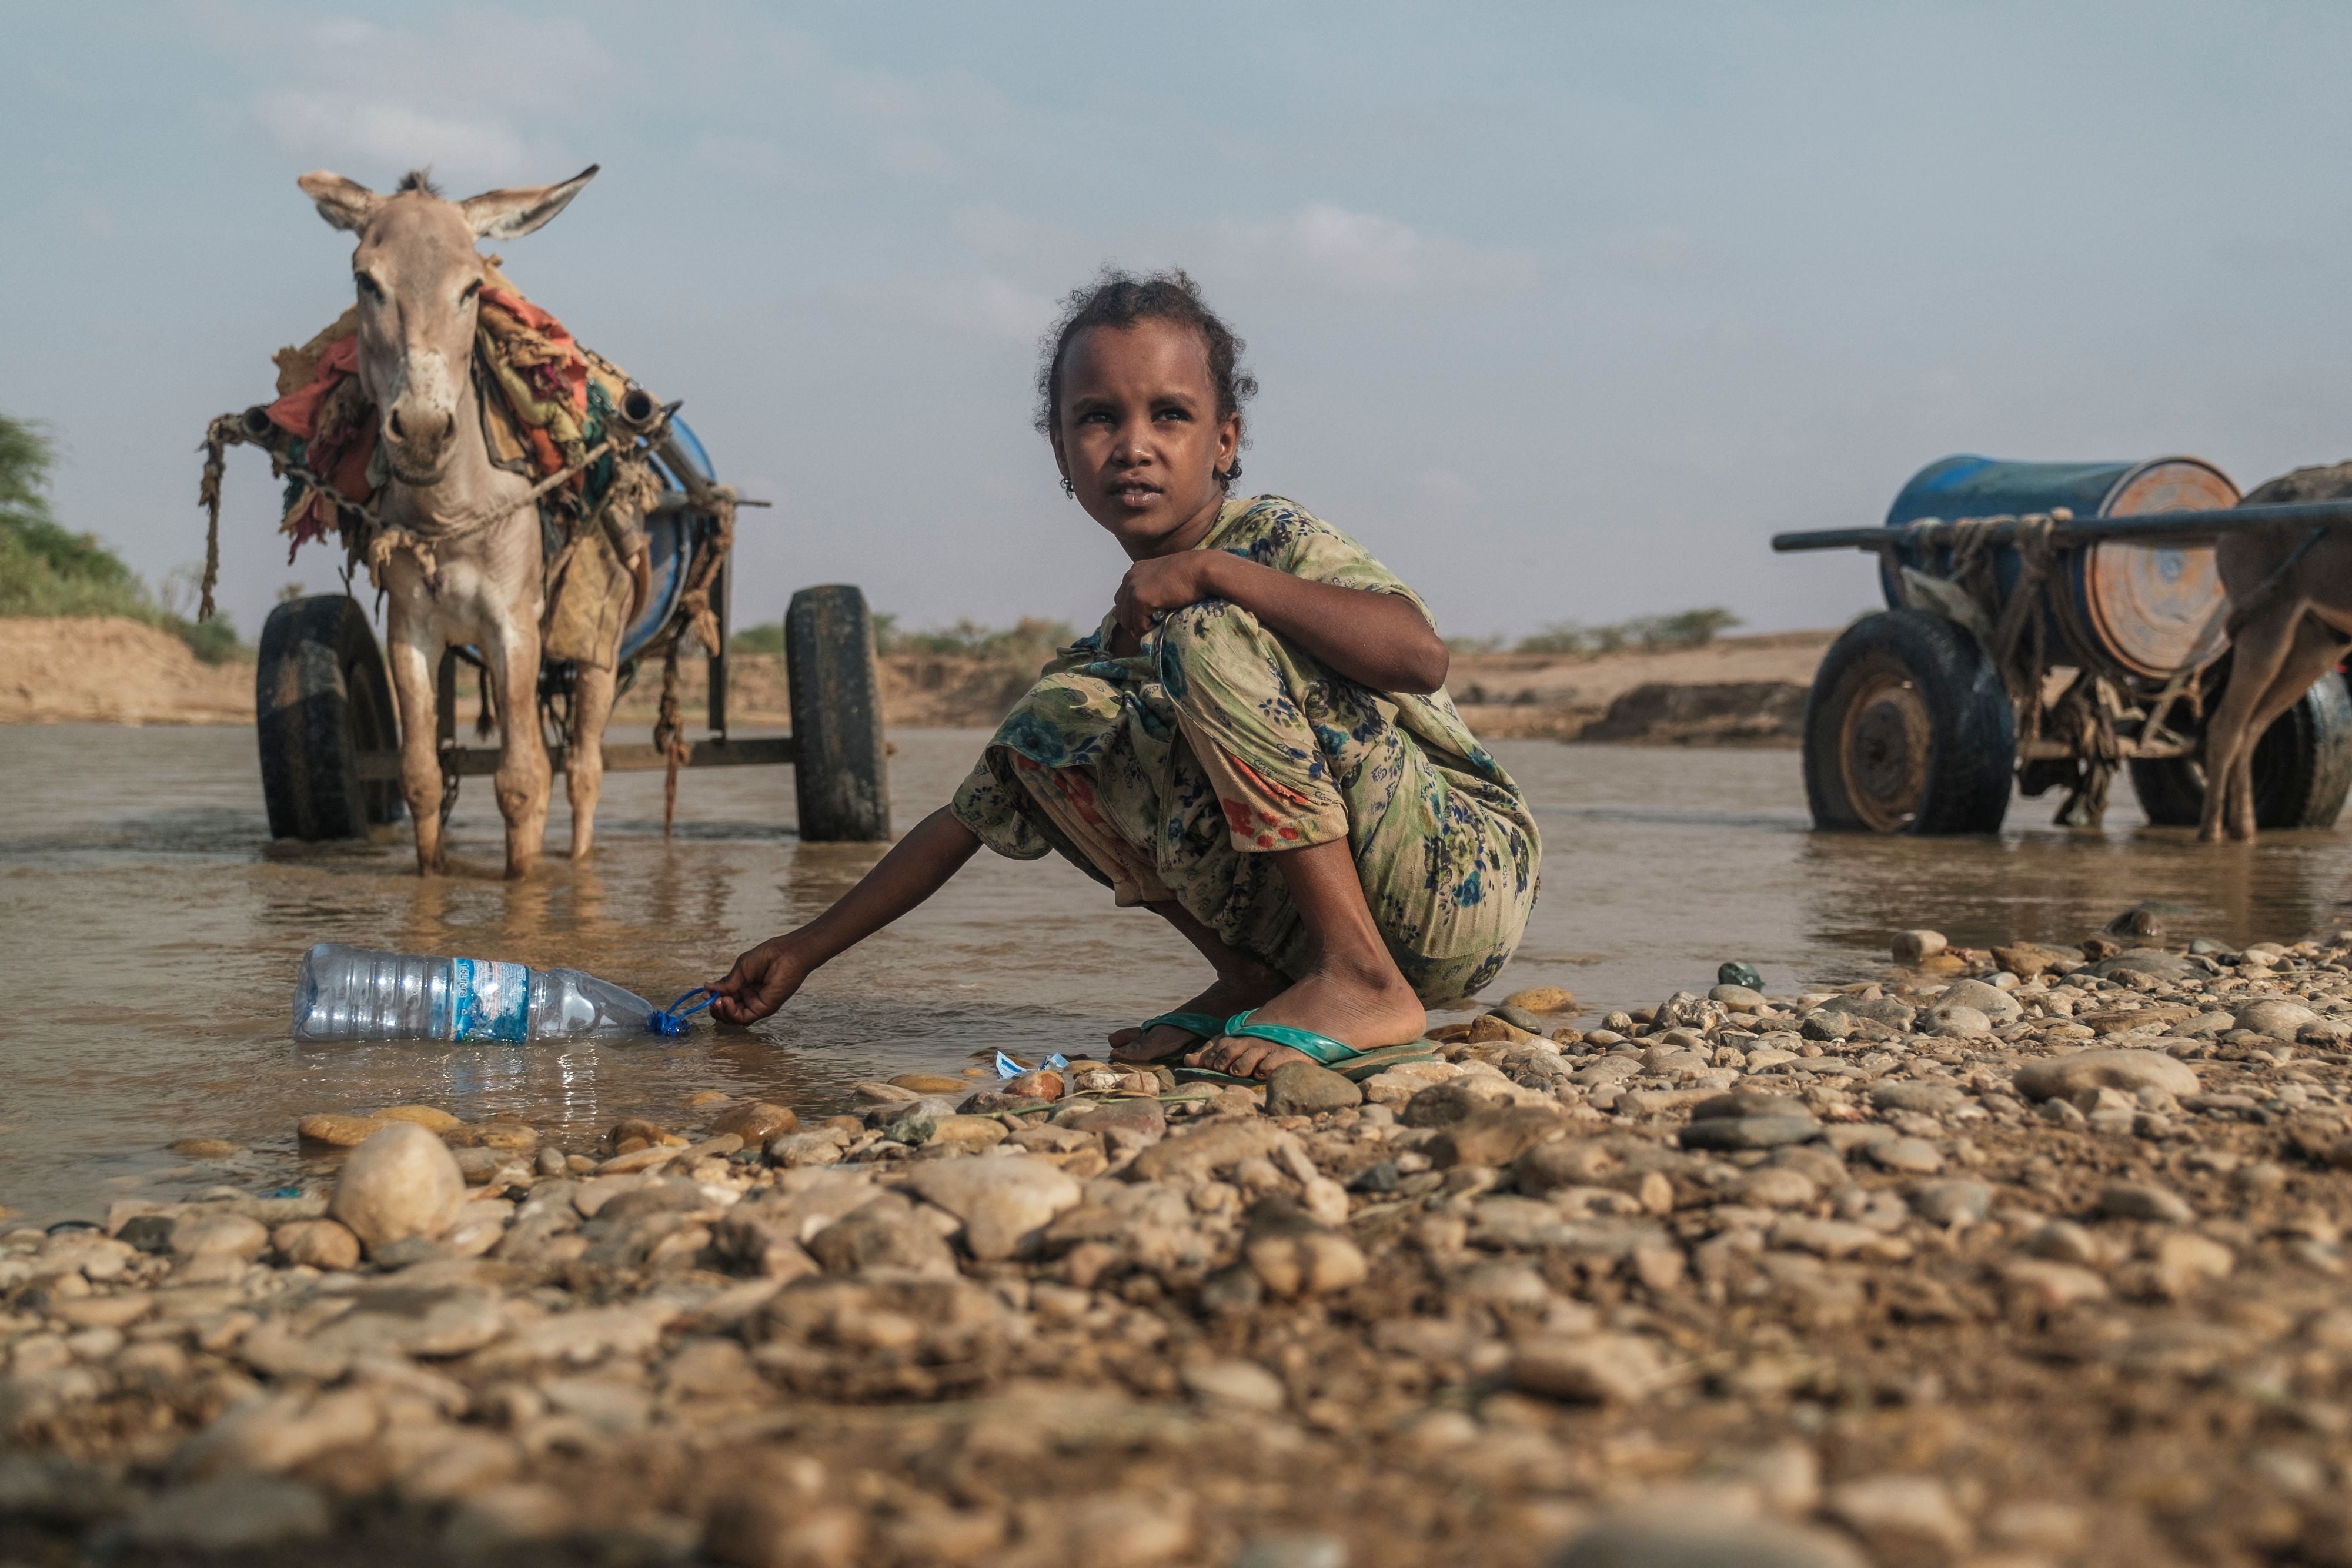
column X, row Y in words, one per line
column 47, row 570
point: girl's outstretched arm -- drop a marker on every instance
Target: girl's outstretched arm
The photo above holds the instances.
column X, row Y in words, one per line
column 1376, row 640
column 918, row 866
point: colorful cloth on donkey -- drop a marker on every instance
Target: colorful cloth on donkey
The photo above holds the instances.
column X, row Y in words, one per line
column 1169, row 773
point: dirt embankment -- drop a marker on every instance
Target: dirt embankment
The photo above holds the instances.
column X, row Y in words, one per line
column 1737, row 689
column 110, row 670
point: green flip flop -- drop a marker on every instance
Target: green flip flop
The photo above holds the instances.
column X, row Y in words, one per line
column 1207, row 1026
column 1338, row 1056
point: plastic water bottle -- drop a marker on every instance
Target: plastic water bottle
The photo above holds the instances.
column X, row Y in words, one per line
column 356, row 993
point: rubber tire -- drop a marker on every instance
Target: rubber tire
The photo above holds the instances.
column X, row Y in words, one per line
column 840, row 762
column 2303, row 768
column 321, row 697
column 1971, row 751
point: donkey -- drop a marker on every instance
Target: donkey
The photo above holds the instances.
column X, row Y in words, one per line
column 2290, row 618
column 418, row 277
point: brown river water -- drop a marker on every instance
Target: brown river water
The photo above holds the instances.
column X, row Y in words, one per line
column 148, row 933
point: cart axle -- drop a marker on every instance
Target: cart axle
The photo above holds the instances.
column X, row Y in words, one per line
column 2148, row 527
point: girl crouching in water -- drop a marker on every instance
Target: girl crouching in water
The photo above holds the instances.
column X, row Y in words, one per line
column 1255, row 745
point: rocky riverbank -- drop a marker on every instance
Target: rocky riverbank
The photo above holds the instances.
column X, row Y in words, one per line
column 2025, row 1256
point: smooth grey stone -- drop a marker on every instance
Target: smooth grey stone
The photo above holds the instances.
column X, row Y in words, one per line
column 1749, row 1132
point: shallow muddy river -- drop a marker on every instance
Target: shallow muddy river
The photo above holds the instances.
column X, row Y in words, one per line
column 148, row 932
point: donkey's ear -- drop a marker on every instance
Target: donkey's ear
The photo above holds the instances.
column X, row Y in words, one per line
column 344, row 203
column 512, row 213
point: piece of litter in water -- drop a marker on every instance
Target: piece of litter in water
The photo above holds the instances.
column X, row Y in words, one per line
column 1008, row 1068
column 283, row 1192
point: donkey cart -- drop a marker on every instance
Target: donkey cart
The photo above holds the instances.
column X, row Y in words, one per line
column 330, row 734
column 2067, row 619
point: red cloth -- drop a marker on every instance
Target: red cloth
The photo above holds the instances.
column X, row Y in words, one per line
column 297, row 409
column 572, row 372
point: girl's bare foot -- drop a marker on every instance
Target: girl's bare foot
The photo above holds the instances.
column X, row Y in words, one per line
column 1365, row 1004
column 1229, row 995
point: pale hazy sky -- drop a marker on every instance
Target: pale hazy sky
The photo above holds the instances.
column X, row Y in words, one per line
column 1562, row 310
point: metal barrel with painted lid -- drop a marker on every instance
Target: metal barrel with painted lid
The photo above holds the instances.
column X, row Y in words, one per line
column 2136, row 612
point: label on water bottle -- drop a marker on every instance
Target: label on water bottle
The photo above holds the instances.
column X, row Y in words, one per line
column 492, row 1000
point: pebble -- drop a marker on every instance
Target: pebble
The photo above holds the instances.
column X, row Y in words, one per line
column 400, row 1182
column 1494, row 1136
column 932, row 1083
column 1648, row 1541
column 1954, row 1021
column 1990, row 1000
column 1595, row 1369
column 1292, row 1551
column 1002, row 1202
column 206, row 1149
column 2143, row 1200
column 1911, row 947
column 339, row 1132
column 886, row 1233
column 1542, row 999
column 2063, row 1077
column 1900, row 1519
column 2276, row 1017
column 1749, row 1132
column 1955, row 1202
column 232, row 1513
column 1776, row 1187
column 1293, row 1254
column 1309, row 1089
column 317, row 1244
column 1912, row 1156
column 231, row 1235
column 2050, row 1285
column 432, row 1118
column 1738, row 999
column 1241, row 1385
column 2185, row 1259
column 756, row 1122
column 1928, row 1099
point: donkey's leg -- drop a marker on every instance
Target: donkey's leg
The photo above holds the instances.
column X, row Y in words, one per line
column 415, row 652
column 2311, row 654
column 2259, row 650
column 591, row 705
column 524, row 779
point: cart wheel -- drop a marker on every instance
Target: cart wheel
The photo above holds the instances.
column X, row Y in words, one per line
column 321, row 697
column 839, row 772
column 2303, row 768
column 1907, row 730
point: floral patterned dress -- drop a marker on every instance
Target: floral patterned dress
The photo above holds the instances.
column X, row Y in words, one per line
column 1171, row 772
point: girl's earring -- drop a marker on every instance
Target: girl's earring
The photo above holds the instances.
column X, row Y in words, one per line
column 1068, row 489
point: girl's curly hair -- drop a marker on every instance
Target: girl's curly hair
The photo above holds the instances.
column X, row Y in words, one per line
column 1120, row 298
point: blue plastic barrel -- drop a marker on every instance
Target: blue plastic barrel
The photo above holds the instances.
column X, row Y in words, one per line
column 2134, row 611
column 672, row 536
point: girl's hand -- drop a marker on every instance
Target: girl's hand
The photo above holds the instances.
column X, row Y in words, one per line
column 762, row 980
column 1152, row 588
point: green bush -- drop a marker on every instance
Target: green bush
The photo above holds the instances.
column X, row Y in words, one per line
column 1651, row 633
column 47, row 570
column 767, row 637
